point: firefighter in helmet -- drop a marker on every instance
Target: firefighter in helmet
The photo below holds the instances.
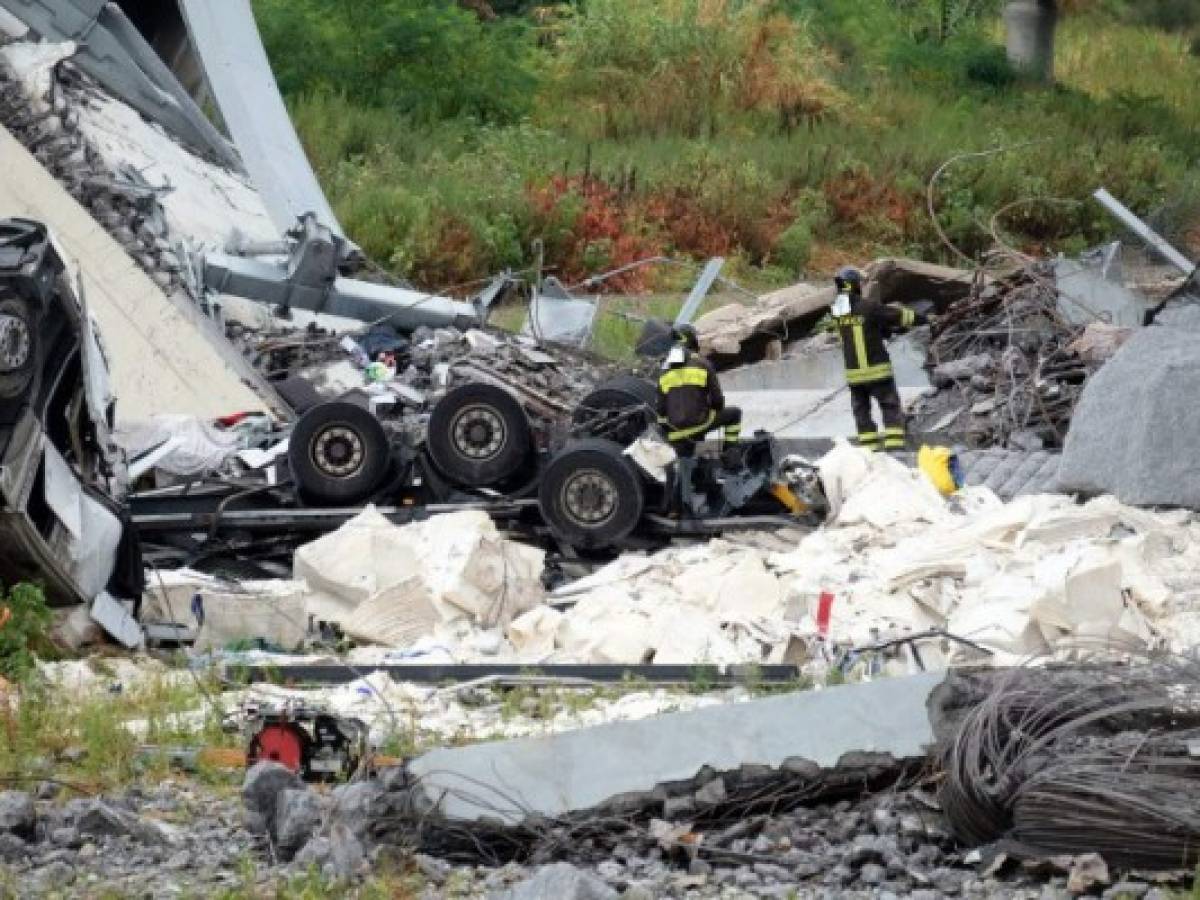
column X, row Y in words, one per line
column 690, row 401
column 864, row 325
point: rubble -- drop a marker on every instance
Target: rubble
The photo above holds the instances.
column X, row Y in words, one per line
column 380, row 580
column 1006, row 367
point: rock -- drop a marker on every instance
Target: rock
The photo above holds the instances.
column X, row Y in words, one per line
column 341, row 852
column 1132, row 432
column 639, row 892
column 1088, row 871
column 64, row 837
column 1127, row 890
column 297, row 816
column 12, row 848
column 49, row 790
column 359, row 805
column 18, row 815
column 872, row 873
column 263, row 784
column 432, row 868
column 612, row 871
column 560, row 881
column 346, row 852
column 701, row 867
column 315, row 853
column 867, row 848
column 101, row 819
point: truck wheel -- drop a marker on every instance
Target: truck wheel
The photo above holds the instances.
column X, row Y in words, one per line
column 339, row 454
column 479, row 435
column 625, row 394
column 590, row 496
column 18, row 348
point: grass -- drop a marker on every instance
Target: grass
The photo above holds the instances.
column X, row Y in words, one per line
column 447, row 202
column 85, row 738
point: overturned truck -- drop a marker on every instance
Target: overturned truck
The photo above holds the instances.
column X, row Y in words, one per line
column 587, row 481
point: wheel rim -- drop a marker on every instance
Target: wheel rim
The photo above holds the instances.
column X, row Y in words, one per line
column 478, row 433
column 337, row 451
column 590, row 498
column 15, row 343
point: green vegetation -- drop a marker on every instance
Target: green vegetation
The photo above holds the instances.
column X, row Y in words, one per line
column 787, row 134
column 24, row 624
column 85, row 737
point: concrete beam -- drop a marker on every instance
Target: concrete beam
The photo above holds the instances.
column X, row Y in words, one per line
column 807, row 733
column 1030, row 27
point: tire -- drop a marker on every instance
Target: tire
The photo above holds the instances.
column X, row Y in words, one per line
column 625, row 394
column 339, row 454
column 479, row 435
column 18, row 348
column 591, row 496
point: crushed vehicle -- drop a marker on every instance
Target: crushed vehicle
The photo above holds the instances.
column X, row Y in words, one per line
column 595, row 480
column 63, row 523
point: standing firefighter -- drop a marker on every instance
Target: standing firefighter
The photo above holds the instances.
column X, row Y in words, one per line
column 864, row 325
column 690, row 400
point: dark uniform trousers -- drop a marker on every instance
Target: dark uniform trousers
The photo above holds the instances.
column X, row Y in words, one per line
column 884, row 393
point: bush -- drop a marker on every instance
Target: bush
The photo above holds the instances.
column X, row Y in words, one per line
column 630, row 67
column 427, row 59
column 25, row 627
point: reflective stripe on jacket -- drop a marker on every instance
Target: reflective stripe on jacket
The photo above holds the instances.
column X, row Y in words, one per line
column 863, row 333
column 689, row 394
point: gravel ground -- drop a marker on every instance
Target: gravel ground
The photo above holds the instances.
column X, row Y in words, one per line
column 185, row 839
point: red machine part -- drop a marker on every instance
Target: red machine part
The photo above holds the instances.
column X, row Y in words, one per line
column 283, row 742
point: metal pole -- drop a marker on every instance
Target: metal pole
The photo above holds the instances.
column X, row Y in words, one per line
column 1145, row 232
column 700, row 290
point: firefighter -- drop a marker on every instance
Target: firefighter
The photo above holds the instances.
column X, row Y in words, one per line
column 690, row 400
column 863, row 326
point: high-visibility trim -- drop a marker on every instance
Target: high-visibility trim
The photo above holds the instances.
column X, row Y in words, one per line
column 894, row 432
column 868, row 438
column 684, row 434
column 684, row 376
column 867, row 374
column 908, row 318
column 860, row 345
column 732, row 434
column 894, row 443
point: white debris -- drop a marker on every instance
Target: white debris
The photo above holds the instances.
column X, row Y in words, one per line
column 422, row 714
column 229, row 612
column 390, row 584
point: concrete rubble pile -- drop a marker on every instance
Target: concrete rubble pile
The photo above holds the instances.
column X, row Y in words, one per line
column 928, row 581
column 1007, row 368
column 146, row 190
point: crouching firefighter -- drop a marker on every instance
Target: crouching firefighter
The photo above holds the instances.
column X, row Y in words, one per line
column 691, row 404
column 864, row 325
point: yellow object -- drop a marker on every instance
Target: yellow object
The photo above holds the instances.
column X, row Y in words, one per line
column 935, row 462
column 784, row 495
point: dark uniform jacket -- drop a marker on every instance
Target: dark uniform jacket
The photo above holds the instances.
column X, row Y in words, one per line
column 689, row 394
column 863, row 333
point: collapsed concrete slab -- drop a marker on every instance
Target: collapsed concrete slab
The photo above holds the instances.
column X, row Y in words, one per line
column 155, row 349
column 1136, row 429
column 633, row 763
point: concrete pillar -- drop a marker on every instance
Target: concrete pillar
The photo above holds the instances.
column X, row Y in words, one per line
column 1030, row 28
